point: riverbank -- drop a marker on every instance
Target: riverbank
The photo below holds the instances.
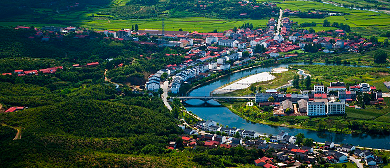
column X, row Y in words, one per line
column 281, row 78
column 221, row 76
column 344, row 124
column 245, row 82
column 262, row 114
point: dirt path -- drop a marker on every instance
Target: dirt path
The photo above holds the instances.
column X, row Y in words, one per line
column 18, row 134
column 18, row 129
column 109, row 80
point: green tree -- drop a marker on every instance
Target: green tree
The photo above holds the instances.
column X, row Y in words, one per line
column 235, row 29
column 271, row 99
column 252, row 88
column 237, row 135
column 308, row 142
column 179, row 143
column 308, row 82
column 259, row 48
column 175, row 112
column 164, row 76
column 245, row 54
column 311, row 30
column 373, row 39
column 136, row 27
column 300, row 138
column 160, row 91
column 380, row 57
column 326, row 23
column 295, row 82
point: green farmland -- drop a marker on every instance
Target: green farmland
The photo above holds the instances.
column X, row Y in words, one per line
column 363, row 22
column 174, row 24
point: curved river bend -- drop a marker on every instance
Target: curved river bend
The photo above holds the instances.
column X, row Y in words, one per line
column 224, row 116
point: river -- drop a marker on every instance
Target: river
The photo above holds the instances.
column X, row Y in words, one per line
column 224, row 116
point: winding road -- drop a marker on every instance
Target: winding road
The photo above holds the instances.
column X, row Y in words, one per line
column 164, row 96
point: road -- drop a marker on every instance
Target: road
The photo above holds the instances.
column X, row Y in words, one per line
column 189, row 113
column 164, row 96
column 357, row 161
column 279, row 22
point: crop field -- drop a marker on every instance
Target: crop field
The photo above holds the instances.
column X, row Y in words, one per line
column 366, row 114
column 187, row 24
column 363, row 22
column 349, row 75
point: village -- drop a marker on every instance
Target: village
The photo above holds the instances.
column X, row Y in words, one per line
column 282, row 150
column 215, row 52
column 317, row 102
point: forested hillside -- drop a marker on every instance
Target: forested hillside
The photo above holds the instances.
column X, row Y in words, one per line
column 75, row 118
column 19, row 52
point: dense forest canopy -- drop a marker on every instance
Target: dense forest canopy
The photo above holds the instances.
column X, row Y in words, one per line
column 20, row 52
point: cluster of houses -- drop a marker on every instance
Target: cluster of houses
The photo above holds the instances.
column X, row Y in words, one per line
column 218, row 51
column 185, row 75
column 51, row 70
column 224, row 50
column 316, row 102
column 284, row 152
column 34, row 72
column 153, row 83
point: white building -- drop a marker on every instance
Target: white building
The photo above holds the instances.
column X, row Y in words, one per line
column 273, row 54
column 153, row 85
column 316, row 108
column 213, row 65
column 362, row 87
column 279, row 38
column 210, row 40
column 175, row 88
column 228, row 43
column 293, row 38
column 250, row 134
column 224, row 67
column 281, row 136
column 336, row 89
column 336, row 108
column 220, row 61
column 319, row 89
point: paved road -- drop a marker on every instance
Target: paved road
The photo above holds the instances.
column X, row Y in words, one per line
column 164, row 96
column 189, row 113
column 279, row 22
column 357, row 161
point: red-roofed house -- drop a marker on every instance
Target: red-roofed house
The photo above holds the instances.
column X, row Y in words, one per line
column 263, row 161
column 320, row 96
column 211, row 144
column 31, row 72
column 93, row 64
column 18, row 71
column 269, row 166
column 13, row 109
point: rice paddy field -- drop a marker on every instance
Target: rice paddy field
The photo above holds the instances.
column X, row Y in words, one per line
column 363, row 22
column 199, row 24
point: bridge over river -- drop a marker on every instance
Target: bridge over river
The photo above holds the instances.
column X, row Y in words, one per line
column 205, row 99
